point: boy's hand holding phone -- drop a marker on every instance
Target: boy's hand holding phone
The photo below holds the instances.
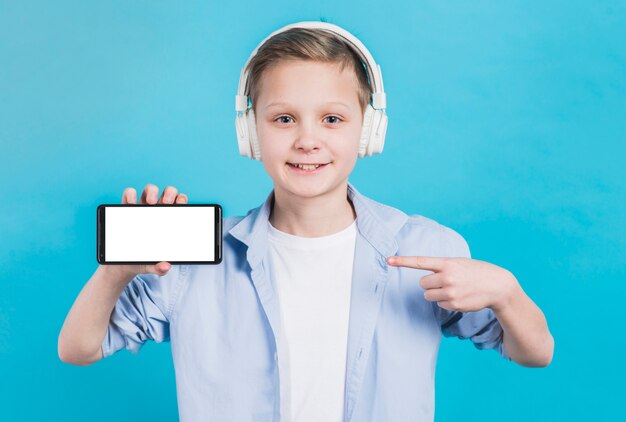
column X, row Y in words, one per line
column 149, row 196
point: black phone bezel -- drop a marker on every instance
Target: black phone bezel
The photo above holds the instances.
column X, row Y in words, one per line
column 100, row 225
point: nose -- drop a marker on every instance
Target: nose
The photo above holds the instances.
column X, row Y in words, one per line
column 307, row 138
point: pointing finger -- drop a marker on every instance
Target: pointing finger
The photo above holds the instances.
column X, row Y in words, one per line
column 430, row 263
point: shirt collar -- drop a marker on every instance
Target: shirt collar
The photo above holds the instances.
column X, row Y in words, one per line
column 376, row 222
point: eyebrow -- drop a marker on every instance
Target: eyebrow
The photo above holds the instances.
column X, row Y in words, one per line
column 282, row 103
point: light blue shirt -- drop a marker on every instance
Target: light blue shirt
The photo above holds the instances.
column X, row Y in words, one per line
column 222, row 321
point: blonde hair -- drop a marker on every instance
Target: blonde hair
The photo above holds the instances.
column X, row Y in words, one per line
column 307, row 44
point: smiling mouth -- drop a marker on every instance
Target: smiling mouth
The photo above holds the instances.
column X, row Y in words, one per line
column 306, row 166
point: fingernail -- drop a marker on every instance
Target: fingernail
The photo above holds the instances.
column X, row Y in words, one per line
column 153, row 198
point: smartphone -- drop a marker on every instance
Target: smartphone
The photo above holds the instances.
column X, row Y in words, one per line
column 149, row 234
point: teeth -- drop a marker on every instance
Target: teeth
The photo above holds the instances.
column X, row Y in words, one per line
column 307, row 166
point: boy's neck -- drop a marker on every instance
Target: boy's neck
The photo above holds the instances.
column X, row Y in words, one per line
column 312, row 217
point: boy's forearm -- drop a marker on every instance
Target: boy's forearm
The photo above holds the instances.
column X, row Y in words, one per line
column 86, row 323
column 527, row 338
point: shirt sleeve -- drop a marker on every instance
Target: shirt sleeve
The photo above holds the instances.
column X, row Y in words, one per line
column 481, row 327
column 142, row 312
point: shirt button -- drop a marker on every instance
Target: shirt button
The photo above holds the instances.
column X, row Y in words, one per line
column 275, row 356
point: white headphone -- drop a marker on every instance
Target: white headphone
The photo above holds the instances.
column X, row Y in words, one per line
column 374, row 120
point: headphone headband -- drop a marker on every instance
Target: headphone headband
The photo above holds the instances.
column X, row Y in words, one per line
column 379, row 101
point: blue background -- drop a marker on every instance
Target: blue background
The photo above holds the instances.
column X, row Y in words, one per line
column 506, row 124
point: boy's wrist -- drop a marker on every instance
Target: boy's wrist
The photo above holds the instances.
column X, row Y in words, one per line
column 116, row 275
column 511, row 292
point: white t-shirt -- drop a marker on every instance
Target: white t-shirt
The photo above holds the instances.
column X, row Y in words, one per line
column 313, row 277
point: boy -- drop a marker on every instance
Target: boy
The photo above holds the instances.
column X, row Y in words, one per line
column 327, row 306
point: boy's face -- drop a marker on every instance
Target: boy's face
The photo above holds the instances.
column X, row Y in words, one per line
column 308, row 113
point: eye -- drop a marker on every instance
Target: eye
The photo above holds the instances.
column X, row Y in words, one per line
column 334, row 119
column 280, row 119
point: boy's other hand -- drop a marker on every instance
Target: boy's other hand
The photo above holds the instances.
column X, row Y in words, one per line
column 149, row 196
column 462, row 284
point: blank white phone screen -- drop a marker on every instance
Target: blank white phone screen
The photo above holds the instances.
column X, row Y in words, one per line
column 134, row 234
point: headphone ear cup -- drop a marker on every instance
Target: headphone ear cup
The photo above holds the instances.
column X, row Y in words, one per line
column 243, row 138
column 254, row 142
column 366, row 130
column 378, row 132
